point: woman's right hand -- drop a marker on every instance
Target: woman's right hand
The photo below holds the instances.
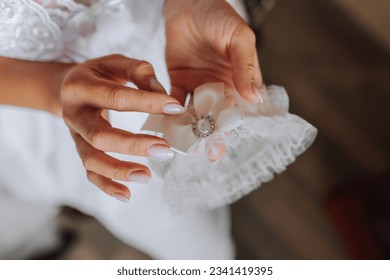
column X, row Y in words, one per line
column 90, row 88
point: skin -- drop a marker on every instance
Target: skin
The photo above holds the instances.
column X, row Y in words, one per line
column 206, row 41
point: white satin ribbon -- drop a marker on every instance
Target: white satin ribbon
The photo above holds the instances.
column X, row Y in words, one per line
column 208, row 99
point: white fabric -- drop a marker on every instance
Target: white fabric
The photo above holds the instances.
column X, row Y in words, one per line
column 39, row 229
column 208, row 101
column 38, row 159
column 261, row 140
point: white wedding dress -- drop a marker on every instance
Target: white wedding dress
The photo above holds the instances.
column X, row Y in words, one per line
column 40, row 169
column 39, row 166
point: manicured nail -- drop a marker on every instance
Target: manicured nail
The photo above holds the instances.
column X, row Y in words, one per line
column 121, row 197
column 214, row 152
column 173, row 109
column 139, row 177
column 257, row 90
column 156, row 86
column 161, row 151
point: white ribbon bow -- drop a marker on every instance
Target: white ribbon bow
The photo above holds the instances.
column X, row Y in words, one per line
column 208, row 118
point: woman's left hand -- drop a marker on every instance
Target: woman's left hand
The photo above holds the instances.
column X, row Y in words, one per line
column 207, row 41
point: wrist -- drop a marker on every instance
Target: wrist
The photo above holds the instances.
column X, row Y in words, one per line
column 55, row 100
column 32, row 84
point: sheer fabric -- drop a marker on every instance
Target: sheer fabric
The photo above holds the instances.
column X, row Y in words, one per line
column 260, row 139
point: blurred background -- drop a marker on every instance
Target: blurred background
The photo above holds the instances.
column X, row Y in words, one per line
column 333, row 57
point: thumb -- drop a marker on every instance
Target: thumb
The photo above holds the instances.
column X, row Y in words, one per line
column 245, row 65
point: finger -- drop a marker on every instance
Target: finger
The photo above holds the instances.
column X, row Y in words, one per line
column 186, row 80
column 99, row 133
column 144, row 77
column 105, row 115
column 122, row 69
column 216, row 152
column 110, row 187
column 110, row 95
column 258, row 76
column 246, row 75
column 109, row 167
column 179, row 93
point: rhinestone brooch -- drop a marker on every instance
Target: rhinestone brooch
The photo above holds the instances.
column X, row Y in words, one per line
column 203, row 126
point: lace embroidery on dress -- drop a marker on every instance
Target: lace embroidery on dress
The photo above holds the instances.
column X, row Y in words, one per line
column 61, row 10
column 44, row 30
column 27, row 31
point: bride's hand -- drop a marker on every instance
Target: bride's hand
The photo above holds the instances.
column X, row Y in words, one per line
column 208, row 41
column 90, row 88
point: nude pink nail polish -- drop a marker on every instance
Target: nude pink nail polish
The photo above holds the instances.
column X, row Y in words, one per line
column 139, row 177
column 121, row 197
column 173, row 109
column 161, row 151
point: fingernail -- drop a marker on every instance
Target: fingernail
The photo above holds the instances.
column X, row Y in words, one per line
column 156, row 86
column 257, row 90
column 139, row 177
column 173, row 109
column 214, row 152
column 121, row 197
column 161, row 151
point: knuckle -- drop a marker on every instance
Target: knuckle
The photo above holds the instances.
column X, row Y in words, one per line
column 114, row 56
column 138, row 148
column 95, row 136
column 117, row 172
column 87, row 160
column 250, row 67
column 143, row 66
column 115, row 98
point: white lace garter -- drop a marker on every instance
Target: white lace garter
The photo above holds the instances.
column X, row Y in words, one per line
column 226, row 147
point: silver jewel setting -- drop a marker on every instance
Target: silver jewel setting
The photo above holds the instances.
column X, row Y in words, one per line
column 203, row 126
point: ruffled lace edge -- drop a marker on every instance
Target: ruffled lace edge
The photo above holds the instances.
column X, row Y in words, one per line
column 282, row 143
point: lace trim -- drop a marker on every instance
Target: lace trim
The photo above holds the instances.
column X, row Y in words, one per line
column 257, row 149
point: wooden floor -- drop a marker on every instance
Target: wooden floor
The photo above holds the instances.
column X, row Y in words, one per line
column 338, row 79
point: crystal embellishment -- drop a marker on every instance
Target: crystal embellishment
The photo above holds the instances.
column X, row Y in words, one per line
column 203, row 126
